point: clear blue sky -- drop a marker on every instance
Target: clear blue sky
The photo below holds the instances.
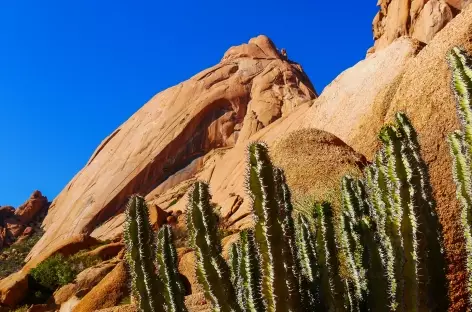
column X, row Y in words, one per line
column 72, row 71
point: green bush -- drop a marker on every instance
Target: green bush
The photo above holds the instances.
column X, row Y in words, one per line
column 54, row 272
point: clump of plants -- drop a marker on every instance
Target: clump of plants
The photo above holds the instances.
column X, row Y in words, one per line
column 152, row 262
column 53, row 272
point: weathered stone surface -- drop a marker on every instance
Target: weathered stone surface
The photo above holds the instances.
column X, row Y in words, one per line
column 14, row 224
column 106, row 252
column 177, row 126
column 458, row 4
column 420, row 19
column 69, row 305
column 348, row 105
column 13, row 289
column 157, row 216
column 14, row 227
column 108, row 293
column 30, row 209
column 432, row 18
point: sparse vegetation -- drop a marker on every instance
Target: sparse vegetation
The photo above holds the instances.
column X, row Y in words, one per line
column 12, row 258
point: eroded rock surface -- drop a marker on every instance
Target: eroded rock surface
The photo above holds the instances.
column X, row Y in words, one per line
column 420, row 19
column 249, row 89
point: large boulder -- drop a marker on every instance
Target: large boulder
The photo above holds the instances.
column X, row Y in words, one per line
column 349, row 103
column 249, row 89
column 420, row 19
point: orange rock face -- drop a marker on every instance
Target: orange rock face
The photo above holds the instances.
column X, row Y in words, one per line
column 420, row 19
column 15, row 224
column 248, row 90
column 31, row 207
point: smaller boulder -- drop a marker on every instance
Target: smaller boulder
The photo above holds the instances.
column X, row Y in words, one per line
column 32, row 207
column 108, row 293
column 13, row 288
column 107, row 252
column 157, row 216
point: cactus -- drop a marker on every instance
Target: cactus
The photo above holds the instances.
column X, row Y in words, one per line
column 351, row 248
column 331, row 286
column 249, row 296
column 140, row 257
column 289, row 248
column 460, row 143
column 370, row 260
column 399, row 172
column 234, row 263
column 212, row 271
column 382, row 225
column 310, row 269
column 431, row 262
column 172, row 290
column 262, row 190
column 400, row 208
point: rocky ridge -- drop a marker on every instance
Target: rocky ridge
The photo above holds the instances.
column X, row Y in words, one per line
column 18, row 224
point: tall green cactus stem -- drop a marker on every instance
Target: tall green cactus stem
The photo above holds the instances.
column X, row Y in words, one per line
column 212, row 271
column 399, row 175
column 289, row 248
column 370, row 260
column 167, row 263
column 461, row 147
column 249, row 296
column 462, row 177
column 461, row 66
column 268, row 229
column 332, row 288
column 385, row 284
column 431, row 264
column 351, row 247
column 310, row 269
column 234, row 263
column 140, row 257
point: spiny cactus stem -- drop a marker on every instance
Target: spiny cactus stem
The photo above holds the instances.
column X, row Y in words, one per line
column 462, row 177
